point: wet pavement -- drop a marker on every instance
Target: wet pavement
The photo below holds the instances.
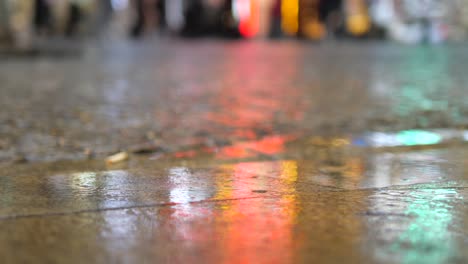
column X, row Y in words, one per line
column 340, row 205
column 179, row 95
column 240, row 152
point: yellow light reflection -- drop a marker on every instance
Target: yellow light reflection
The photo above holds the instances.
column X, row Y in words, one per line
column 224, row 182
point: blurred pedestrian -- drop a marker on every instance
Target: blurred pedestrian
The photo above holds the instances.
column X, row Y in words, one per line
column 275, row 27
column 331, row 15
column 43, row 23
column 20, row 22
column 104, row 14
column 193, row 18
column 147, row 16
column 5, row 33
column 420, row 21
column 75, row 16
column 175, row 19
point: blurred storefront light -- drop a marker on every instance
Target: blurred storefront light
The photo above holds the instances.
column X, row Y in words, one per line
column 246, row 13
column 290, row 16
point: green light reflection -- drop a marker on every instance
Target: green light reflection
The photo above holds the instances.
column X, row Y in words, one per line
column 418, row 137
column 427, row 239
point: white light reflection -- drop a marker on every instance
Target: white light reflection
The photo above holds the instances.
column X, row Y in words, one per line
column 184, row 187
column 179, row 177
column 84, row 182
column 84, row 179
column 465, row 135
column 407, row 168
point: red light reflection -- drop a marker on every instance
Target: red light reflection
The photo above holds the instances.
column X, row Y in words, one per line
column 254, row 222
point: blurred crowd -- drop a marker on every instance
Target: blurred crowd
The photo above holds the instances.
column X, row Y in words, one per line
column 408, row 21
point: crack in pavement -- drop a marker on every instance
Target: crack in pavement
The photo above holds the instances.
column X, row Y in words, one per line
column 151, row 205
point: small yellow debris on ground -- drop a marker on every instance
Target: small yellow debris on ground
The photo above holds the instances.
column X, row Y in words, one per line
column 118, row 157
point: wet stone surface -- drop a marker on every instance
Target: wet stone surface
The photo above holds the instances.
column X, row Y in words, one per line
column 238, row 153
